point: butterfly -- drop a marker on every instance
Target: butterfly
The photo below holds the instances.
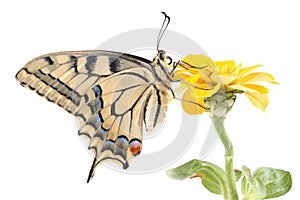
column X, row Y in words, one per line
column 111, row 94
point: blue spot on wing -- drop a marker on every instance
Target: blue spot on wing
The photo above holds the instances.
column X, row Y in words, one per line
column 97, row 90
column 109, row 142
column 99, row 119
column 122, row 139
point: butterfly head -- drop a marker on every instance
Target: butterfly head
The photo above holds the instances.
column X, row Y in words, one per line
column 162, row 58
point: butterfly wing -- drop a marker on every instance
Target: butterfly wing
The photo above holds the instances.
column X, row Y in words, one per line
column 106, row 91
column 64, row 77
column 110, row 93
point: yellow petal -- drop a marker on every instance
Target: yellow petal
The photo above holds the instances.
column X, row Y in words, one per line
column 199, row 60
column 257, row 77
column 227, row 63
column 250, row 88
column 247, row 70
column 260, row 101
column 191, row 104
column 237, row 69
column 225, row 67
column 193, row 79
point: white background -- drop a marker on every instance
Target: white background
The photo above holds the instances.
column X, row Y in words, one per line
column 41, row 156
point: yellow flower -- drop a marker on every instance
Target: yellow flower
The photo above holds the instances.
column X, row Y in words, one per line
column 203, row 78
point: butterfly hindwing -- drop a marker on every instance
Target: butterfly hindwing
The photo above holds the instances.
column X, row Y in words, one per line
column 117, row 112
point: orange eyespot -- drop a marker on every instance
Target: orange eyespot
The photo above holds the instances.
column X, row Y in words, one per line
column 135, row 147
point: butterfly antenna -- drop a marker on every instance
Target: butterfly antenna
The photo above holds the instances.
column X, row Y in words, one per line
column 91, row 174
column 163, row 28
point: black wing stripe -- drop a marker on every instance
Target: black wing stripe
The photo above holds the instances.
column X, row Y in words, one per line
column 145, row 111
column 158, row 107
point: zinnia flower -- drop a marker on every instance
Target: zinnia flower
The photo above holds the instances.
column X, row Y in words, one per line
column 203, row 78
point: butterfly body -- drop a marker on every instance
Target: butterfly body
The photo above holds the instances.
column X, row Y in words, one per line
column 111, row 94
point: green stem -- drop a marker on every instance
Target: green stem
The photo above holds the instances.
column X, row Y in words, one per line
column 230, row 193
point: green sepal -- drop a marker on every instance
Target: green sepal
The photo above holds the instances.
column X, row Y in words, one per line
column 213, row 177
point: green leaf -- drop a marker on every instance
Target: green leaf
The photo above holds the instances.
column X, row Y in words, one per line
column 184, row 171
column 276, row 181
column 213, row 177
column 252, row 187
